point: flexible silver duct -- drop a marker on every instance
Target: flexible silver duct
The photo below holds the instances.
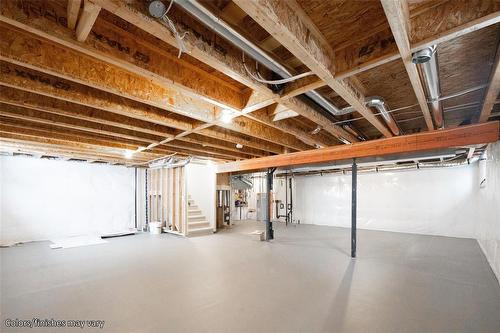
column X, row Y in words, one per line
column 426, row 61
column 222, row 28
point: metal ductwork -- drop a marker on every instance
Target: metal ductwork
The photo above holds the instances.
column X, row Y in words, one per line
column 241, row 183
column 196, row 9
column 427, row 64
column 379, row 104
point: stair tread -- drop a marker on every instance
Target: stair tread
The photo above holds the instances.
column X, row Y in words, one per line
column 200, row 229
column 198, row 222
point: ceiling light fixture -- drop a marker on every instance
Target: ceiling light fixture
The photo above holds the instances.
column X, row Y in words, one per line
column 239, row 145
column 226, row 116
column 128, row 154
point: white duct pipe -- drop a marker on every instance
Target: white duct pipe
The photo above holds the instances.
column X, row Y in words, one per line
column 427, row 64
column 379, row 104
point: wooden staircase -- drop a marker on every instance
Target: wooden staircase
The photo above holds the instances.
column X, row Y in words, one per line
column 197, row 222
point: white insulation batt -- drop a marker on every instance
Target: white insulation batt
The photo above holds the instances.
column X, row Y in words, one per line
column 47, row 199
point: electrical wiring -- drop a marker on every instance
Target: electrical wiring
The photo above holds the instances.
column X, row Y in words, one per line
column 259, row 78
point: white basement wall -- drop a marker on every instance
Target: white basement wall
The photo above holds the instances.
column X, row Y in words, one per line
column 428, row 201
column 201, row 186
column 45, row 199
column 488, row 210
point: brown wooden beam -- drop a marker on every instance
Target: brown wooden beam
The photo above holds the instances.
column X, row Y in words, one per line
column 73, row 8
column 398, row 17
column 460, row 136
column 493, row 89
column 87, row 19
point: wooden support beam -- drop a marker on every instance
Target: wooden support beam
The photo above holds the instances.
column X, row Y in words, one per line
column 87, row 19
column 294, row 30
column 459, row 136
column 398, row 17
column 73, row 8
column 493, row 89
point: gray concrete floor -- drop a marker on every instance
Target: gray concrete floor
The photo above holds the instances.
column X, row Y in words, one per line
column 304, row 281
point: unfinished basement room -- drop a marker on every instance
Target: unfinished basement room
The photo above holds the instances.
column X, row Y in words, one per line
column 250, row 166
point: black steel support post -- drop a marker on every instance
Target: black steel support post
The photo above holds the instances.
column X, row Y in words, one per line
column 135, row 197
column 269, row 224
column 354, row 174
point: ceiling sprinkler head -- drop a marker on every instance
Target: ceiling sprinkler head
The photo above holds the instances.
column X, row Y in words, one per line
column 157, row 9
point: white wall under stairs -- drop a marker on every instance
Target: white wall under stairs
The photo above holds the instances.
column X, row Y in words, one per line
column 197, row 222
column 201, row 185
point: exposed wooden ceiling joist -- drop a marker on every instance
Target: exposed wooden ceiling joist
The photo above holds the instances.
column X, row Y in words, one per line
column 294, row 30
column 184, row 80
column 227, row 61
column 443, row 21
column 87, row 19
column 73, row 9
column 59, row 107
column 493, row 89
column 399, row 19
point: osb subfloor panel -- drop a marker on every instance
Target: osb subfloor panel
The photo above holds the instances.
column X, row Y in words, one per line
column 304, row 281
